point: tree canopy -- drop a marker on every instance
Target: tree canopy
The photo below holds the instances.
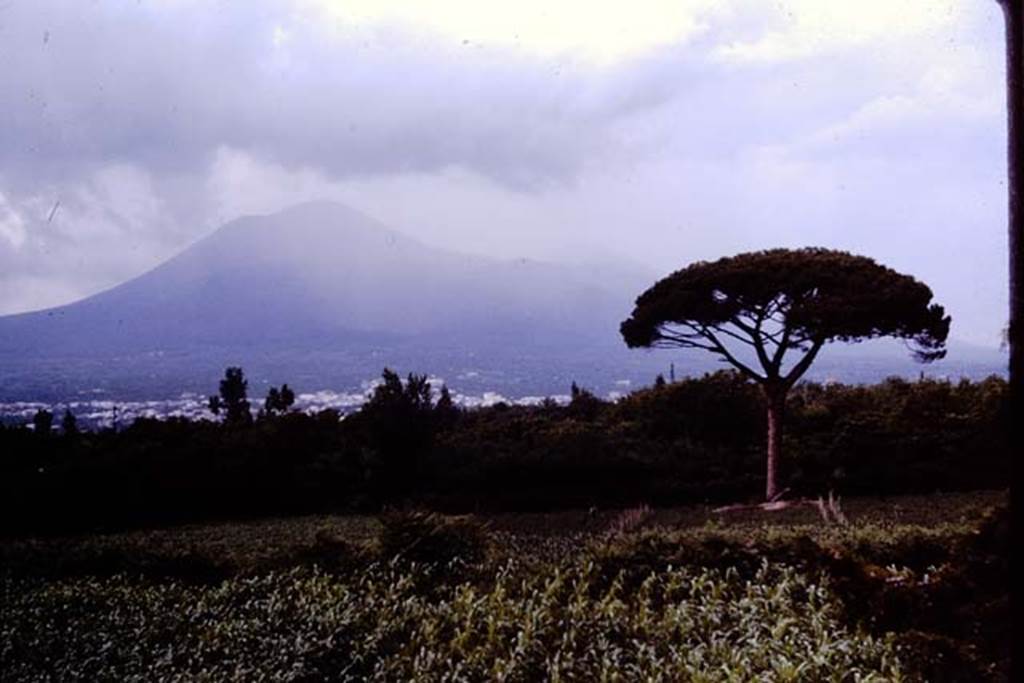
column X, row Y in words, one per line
column 279, row 401
column 233, row 397
column 784, row 300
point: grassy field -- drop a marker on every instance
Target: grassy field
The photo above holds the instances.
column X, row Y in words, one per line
column 907, row 588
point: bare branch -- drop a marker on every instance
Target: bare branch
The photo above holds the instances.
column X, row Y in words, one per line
column 801, row 367
column 667, row 333
column 748, row 341
column 750, row 328
column 742, row 367
column 774, row 306
column 670, row 338
column 683, row 344
column 780, row 350
column 762, row 355
column 773, row 337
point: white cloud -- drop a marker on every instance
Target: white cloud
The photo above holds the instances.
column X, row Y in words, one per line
column 599, row 31
column 33, row 292
column 238, row 184
column 805, row 29
column 12, row 227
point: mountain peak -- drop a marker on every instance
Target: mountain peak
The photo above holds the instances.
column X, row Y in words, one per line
column 315, row 221
column 322, row 272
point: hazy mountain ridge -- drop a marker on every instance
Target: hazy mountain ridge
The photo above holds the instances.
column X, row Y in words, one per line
column 322, row 272
column 324, row 296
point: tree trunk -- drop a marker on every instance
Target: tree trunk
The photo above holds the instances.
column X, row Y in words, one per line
column 776, row 409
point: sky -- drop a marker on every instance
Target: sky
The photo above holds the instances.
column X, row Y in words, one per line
column 651, row 134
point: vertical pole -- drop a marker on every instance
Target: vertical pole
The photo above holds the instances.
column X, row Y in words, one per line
column 1012, row 12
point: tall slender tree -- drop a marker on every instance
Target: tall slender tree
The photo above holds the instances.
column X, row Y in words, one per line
column 754, row 309
column 69, row 423
column 233, row 398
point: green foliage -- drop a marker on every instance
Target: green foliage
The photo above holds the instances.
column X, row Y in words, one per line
column 814, row 548
column 394, row 395
column 820, row 294
column 912, row 589
column 233, row 398
column 42, row 422
column 691, row 441
column 396, row 426
column 897, row 435
column 583, row 405
column 69, row 424
column 680, row 624
column 203, row 553
column 943, row 589
column 278, row 401
column 445, row 410
column 432, row 539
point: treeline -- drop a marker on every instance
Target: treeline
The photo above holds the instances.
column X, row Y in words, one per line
column 696, row 440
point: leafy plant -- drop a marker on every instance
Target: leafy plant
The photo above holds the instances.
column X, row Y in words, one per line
column 630, row 520
column 432, row 539
column 679, row 624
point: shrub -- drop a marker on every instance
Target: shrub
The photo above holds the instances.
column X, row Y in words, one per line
column 630, row 520
column 376, row 625
column 432, row 539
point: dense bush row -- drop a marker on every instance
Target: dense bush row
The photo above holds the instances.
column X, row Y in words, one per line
column 693, row 440
column 431, row 597
column 678, row 624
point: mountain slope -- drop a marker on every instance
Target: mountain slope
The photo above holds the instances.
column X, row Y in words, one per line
column 322, row 273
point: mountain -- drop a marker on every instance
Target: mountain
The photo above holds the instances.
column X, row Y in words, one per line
column 322, row 273
column 322, row 296
column 320, row 281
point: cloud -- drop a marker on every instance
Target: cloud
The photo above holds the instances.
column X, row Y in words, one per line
column 598, row 32
column 82, row 235
column 655, row 133
column 804, row 29
column 167, row 85
column 12, row 226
